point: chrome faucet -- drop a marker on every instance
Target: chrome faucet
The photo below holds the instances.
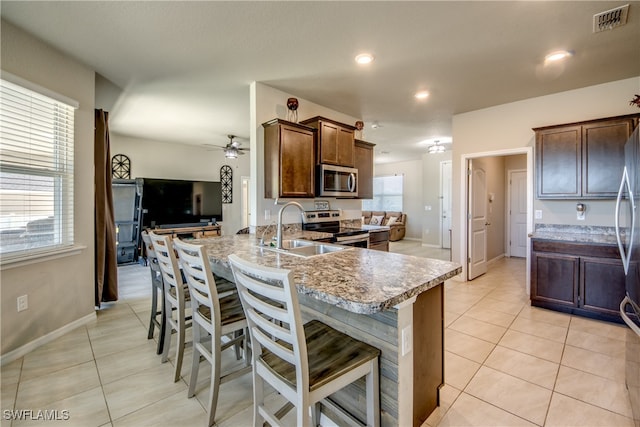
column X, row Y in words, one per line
column 279, row 231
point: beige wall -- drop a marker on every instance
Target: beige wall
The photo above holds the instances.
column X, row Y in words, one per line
column 60, row 291
column 268, row 103
column 154, row 159
column 508, row 127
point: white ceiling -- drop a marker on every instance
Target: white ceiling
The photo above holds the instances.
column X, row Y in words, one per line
column 185, row 67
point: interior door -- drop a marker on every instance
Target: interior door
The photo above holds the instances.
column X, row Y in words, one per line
column 445, row 206
column 477, row 215
column 518, row 213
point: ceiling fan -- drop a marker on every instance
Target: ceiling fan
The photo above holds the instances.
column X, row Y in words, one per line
column 232, row 149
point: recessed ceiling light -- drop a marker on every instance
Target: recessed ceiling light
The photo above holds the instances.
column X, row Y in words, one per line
column 364, row 58
column 423, row 94
column 558, row 55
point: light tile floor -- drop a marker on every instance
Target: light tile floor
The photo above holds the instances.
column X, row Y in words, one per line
column 506, row 364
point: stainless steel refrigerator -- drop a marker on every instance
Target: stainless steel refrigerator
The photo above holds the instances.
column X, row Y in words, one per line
column 627, row 221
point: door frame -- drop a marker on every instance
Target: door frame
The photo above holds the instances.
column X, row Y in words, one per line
column 464, row 196
column 508, row 207
column 450, row 207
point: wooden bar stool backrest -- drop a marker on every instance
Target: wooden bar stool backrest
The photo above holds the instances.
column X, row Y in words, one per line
column 156, row 286
column 174, row 296
column 304, row 363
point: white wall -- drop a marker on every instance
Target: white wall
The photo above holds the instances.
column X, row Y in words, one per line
column 268, row 103
column 412, row 193
column 60, row 291
column 154, row 159
column 509, row 126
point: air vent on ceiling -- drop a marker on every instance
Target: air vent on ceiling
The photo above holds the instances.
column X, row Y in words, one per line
column 610, row 19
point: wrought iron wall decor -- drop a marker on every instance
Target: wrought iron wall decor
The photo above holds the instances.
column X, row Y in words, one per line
column 226, row 179
column 120, row 167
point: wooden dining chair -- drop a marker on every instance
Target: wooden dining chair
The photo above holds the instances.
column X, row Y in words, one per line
column 175, row 295
column 304, row 363
column 218, row 322
column 157, row 286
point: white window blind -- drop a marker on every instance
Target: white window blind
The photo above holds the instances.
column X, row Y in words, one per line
column 387, row 194
column 36, row 172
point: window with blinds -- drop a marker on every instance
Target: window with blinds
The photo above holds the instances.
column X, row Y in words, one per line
column 387, row 194
column 36, row 172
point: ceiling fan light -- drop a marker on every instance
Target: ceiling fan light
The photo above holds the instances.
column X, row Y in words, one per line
column 436, row 148
column 231, row 154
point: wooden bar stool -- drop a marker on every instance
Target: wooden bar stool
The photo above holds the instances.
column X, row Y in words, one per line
column 175, row 295
column 304, row 363
column 217, row 320
column 156, row 286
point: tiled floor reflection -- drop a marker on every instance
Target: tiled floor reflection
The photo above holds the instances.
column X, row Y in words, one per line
column 506, row 364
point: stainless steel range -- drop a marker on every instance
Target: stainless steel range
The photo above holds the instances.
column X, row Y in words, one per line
column 328, row 221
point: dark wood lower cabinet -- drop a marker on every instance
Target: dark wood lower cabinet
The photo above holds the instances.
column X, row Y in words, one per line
column 579, row 278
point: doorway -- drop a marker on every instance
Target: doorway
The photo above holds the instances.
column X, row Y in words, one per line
column 517, row 214
column 445, row 203
column 246, row 207
column 492, row 207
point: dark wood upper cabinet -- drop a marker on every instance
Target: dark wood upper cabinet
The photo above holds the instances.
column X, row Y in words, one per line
column 335, row 143
column 364, row 164
column 289, row 159
column 582, row 160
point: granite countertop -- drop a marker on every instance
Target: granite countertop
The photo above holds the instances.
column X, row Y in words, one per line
column 358, row 280
column 576, row 234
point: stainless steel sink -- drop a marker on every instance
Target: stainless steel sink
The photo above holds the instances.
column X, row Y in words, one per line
column 306, row 248
column 296, row 243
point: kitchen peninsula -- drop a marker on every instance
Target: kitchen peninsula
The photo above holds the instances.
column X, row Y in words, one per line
column 392, row 301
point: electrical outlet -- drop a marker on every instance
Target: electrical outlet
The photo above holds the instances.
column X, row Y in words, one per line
column 538, row 214
column 407, row 340
column 267, row 214
column 23, row 302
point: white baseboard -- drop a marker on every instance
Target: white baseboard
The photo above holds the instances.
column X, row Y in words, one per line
column 496, row 259
column 38, row 342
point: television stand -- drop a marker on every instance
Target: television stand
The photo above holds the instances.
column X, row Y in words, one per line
column 190, row 231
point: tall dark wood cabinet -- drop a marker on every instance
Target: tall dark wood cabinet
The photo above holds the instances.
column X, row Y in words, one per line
column 582, row 160
column 364, row 164
column 335, row 141
column 289, row 159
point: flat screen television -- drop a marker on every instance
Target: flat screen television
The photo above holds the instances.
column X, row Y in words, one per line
column 173, row 202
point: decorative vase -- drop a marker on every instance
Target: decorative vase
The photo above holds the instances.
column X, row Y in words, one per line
column 359, row 126
column 292, row 114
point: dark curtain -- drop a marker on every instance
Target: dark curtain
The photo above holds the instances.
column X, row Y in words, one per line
column 106, row 267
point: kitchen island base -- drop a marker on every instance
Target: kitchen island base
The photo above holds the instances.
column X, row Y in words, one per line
column 410, row 382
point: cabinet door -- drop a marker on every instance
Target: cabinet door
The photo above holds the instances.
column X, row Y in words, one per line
column 289, row 163
column 364, row 164
column 554, row 278
column 603, row 157
column 602, row 284
column 296, row 162
column 328, row 142
column 558, row 163
column 345, row 147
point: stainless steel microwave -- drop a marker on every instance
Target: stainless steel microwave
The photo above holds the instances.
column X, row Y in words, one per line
column 337, row 181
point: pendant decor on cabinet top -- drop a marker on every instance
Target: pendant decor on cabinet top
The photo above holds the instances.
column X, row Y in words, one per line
column 226, row 179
